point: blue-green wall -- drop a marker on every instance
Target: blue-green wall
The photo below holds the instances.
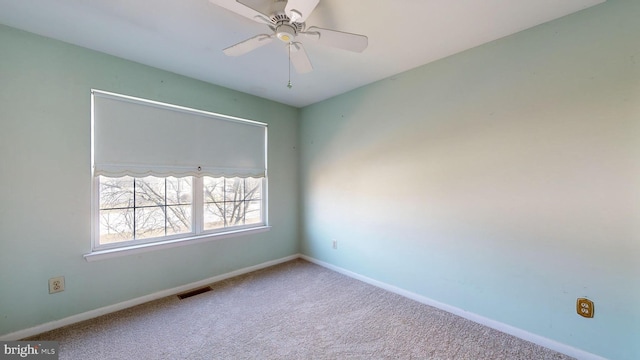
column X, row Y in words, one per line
column 45, row 182
column 504, row 180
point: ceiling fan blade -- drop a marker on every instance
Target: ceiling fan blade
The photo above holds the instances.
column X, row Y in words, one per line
column 338, row 39
column 299, row 10
column 242, row 10
column 299, row 58
column 244, row 47
column 265, row 8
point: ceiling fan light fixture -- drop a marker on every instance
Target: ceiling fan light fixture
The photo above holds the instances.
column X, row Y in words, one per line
column 286, row 33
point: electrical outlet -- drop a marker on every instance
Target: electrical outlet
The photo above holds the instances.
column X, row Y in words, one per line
column 335, row 244
column 584, row 307
column 56, row 284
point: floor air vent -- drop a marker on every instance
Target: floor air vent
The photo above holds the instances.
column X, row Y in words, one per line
column 194, row 292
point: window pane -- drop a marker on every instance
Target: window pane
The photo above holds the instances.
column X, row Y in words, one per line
column 227, row 202
column 179, row 191
column 234, row 189
column 253, row 189
column 150, row 191
column 149, row 222
column 213, row 189
column 253, row 212
column 213, row 218
column 178, row 219
column 116, row 192
column 116, row 225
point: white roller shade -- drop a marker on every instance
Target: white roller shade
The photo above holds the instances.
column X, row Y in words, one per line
column 138, row 137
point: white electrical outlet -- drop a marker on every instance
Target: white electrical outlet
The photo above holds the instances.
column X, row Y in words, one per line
column 56, row 284
column 335, row 244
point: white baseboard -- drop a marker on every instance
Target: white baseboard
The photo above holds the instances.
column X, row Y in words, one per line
column 21, row 334
column 519, row 333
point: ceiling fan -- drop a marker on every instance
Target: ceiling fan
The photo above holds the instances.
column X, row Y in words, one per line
column 286, row 19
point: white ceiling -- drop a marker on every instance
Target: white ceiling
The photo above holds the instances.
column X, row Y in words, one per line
column 187, row 37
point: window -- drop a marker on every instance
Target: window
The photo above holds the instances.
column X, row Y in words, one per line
column 141, row 210
column 164, row 173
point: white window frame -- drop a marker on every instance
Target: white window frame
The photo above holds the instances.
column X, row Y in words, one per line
column 197, row 235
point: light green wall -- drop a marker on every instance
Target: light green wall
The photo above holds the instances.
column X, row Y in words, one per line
column 45, row 182
column 504, row 180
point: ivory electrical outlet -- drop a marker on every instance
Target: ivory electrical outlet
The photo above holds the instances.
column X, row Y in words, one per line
column 56, row 284
column 584, row 307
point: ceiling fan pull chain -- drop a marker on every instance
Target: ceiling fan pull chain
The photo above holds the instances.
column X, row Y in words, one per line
column 289, row 83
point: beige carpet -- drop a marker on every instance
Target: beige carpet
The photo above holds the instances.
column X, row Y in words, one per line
column 296, row 310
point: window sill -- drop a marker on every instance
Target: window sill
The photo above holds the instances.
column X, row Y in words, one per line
column 136, row 249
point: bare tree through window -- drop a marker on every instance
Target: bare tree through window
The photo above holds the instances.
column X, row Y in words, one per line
column 231, row 202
